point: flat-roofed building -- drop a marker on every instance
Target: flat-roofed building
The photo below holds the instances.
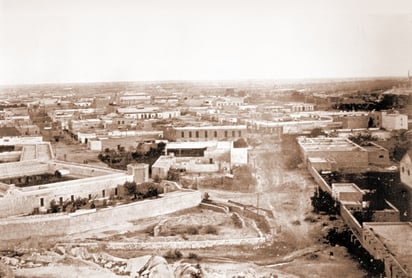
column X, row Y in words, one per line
column 142, row 113
column 347, row 192
column 348, row 156
column 205, row 133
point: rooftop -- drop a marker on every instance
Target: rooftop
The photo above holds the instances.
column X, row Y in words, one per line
column 346, row 187
column 328, row 144
column 208, row 127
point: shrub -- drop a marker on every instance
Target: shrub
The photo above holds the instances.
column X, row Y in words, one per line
column 192, row 230
column 173, row 254
column 209, row 229
column 54, row 207
column 193, row 256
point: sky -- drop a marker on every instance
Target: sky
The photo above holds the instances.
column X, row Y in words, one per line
column 64, row 41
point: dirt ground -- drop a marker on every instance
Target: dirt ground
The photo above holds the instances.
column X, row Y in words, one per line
column 297, row 250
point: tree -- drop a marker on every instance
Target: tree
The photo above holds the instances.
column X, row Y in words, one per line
column 131, row 188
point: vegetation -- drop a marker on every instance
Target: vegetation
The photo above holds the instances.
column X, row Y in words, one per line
column 143, row 190
column 342, row 237
column 323, row 201
column 363, row 139
column 173, row 254
column 119, row 158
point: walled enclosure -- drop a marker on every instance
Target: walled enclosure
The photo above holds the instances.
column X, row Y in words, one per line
column 93, row 181
column 80, row 221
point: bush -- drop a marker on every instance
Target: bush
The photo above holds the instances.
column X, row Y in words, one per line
column 209, row 229
column 193, row 256
column 192, row 230
column 173, row 254
column 54, row 207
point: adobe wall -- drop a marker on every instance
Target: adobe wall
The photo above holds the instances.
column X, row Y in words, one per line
column 378, row 250
column 344, row 159
column 81, row 170
column 25, row 200
column 63, row 224
column 319, row 180
column 19, row 169
column 10, row 156
column 350, row 220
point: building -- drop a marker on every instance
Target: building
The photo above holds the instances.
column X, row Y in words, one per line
column 406, row 169
column 161, row 167
column 300, row 106
column 377, row 155
column 390, row 120
column 132, row 98
column 223, row 102
column 142, row 113
column 210, row 152
column 347, row 155
column 348, row 192
column 204, row 133
column 394, row 121
column 353, row 121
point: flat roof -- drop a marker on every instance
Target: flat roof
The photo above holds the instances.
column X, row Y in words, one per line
column 346, row 187
column 211, row 127
column 329, row 143
column 397, row 237
column 191, row 145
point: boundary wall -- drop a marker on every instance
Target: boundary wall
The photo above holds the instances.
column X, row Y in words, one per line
column 81, row 221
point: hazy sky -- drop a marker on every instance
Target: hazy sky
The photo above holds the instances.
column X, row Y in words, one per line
column 44, row 41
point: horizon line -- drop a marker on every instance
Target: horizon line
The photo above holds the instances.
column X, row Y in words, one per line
column 306, row 79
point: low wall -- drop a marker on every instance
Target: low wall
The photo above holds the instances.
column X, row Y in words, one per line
column 81, row 221
column 254, row 241
column 351, row 221
column 319, row 180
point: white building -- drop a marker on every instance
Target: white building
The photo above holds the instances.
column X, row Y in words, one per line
column 394, row 121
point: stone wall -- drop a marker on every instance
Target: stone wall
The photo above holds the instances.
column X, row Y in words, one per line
column 80, row 221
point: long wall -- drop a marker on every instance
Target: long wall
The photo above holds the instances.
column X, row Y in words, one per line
column 25, row 200
column 26, row 168
column 63, row 224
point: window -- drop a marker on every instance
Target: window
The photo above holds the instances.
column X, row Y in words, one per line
column 233, row 133
column 72, row 198
column 42, row 202
column 206, row 134
column 381, row 156
column 403, row 169
column 215, row 133
column 190, row 134
column 239, row 133
column 103, row 193
column 115, row 191
column 61, row 200
column 225, row 133
column 197, row 134
column 183, row 134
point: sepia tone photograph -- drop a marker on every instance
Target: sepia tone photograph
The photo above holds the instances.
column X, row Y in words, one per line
column 205, row 138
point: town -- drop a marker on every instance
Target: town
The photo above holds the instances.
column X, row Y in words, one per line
column 250, row 179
